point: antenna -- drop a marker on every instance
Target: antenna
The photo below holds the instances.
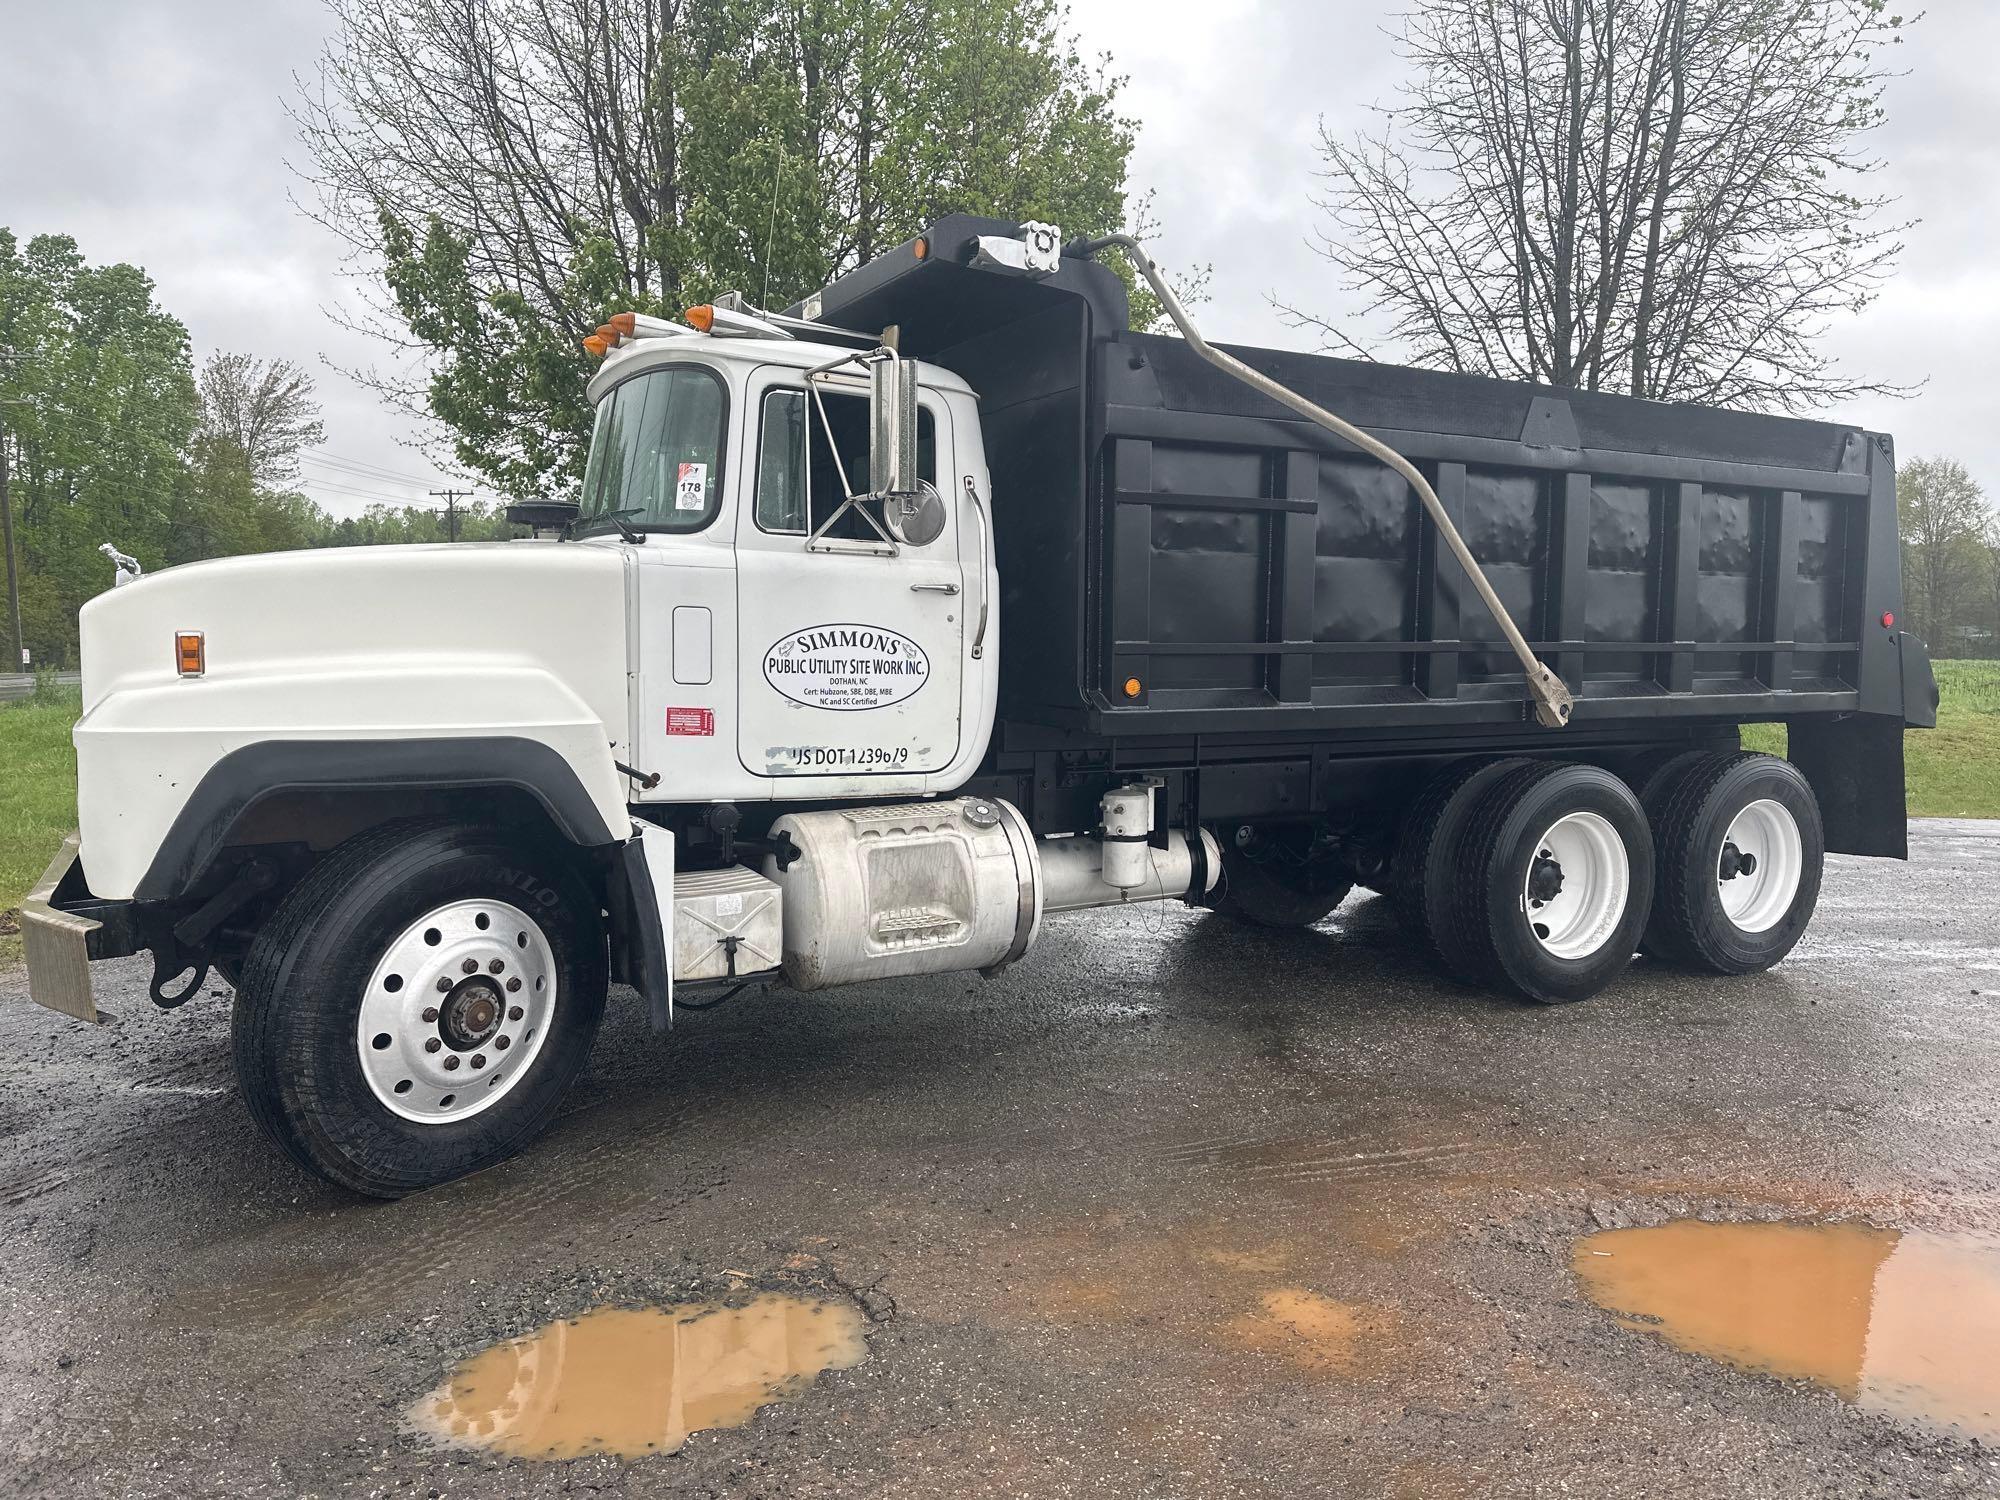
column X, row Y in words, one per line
column 771, row 234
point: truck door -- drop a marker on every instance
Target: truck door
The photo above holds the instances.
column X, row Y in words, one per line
column 850, row 649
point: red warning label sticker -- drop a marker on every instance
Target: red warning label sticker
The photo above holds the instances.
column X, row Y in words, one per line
column 691, row 721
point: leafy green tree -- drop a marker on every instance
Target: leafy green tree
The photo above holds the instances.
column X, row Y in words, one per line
column 515, row 173
column 390, row 525
column 99, row 411
column 1943, row 513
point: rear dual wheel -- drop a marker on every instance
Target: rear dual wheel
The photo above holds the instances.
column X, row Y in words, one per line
column 1548, row 883
column 1741, row 853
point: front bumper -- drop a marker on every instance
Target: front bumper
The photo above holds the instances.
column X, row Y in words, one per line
column 58, row 943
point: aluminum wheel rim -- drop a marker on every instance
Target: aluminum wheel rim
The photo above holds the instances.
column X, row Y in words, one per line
column 1592, row 880
column 1765, row 836
column 456, row 1011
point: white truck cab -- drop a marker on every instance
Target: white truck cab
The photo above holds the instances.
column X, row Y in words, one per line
column 773, row 656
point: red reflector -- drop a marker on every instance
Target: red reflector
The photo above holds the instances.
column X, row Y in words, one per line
column 1888, row 619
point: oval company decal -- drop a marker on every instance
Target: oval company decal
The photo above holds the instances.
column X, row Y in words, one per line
column 846, row 668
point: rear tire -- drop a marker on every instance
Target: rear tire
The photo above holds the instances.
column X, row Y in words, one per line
column 1421, row 872
column 1741, row 852
column 1554, row 884
column 416, row 1008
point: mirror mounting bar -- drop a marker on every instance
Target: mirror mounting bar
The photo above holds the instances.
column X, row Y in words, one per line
column 815, row 378
column 1553, row 700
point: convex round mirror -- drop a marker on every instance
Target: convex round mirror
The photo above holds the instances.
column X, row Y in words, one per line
column 916, row 519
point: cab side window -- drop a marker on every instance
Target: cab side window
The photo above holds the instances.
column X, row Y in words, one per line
column 798, row 482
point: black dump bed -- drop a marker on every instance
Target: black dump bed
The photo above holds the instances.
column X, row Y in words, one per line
column 1180, row 555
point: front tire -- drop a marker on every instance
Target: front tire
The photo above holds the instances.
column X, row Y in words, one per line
column 416, row 1008
column 1741, row 852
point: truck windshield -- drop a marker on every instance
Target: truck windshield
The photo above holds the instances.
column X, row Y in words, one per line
column 656, row 452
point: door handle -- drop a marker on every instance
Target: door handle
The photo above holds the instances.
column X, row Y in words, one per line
column 933, row 588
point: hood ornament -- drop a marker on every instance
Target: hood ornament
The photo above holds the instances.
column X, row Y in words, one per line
column 128, row 567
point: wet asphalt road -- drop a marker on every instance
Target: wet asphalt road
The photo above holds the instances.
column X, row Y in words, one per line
column 1061, row 1197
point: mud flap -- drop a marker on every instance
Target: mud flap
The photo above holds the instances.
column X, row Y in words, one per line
column 642, row 941
column 1855, row 766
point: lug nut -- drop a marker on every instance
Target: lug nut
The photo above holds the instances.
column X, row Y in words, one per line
column 451, row 1064
column 495, row 966
column 470, row 966
column 514, row 1012
column 430, row 1012
column 502, row 1043
column 432, row 1045
column 513, row 984
column 479, row 1059
column 444, row 985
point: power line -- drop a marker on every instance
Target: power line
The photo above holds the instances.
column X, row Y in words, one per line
column 311, row 481
column 338, row 460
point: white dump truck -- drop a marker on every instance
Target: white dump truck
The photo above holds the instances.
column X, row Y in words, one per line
column 893, row 625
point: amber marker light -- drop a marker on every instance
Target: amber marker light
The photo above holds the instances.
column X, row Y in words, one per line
column 921, row 248
column 700, row 319
column 1133, row 687
column 595, row 347
column 189, row 654
column 623, row 324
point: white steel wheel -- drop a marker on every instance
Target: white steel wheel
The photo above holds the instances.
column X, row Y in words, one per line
column 1758, row 871
column 456, row 1011
column 1577, row 886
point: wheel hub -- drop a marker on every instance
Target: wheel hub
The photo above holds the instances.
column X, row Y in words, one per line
column 471, row 1014
column 1545, row 878
column 456, row 1010
column 1735, row 862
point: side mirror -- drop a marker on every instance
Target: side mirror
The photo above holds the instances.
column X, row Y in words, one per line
column 892, row 444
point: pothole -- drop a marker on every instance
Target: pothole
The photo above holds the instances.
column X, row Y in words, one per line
column 1904, row 1323
column 637, row 1381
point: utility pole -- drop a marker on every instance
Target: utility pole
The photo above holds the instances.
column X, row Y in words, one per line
column 7, row 541
column 7, row 358
column 451, row 499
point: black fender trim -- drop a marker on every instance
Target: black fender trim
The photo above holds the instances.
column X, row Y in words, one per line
column 245, row 777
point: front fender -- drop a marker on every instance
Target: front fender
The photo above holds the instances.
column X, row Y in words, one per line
column 165, row 772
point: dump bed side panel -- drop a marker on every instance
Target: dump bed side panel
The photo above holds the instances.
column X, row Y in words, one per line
column 1253, row 571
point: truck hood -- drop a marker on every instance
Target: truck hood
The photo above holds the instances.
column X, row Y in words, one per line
column 343, row 611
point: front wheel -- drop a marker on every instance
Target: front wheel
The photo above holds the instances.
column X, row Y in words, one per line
column 418, row 1006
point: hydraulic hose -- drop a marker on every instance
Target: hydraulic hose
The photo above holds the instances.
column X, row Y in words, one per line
column 1553, row 702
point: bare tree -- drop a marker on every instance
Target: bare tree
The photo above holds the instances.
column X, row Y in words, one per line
column 1943, row 518
column 1663, row 197
column 263, row 411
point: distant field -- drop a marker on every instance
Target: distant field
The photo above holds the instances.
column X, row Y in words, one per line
column 37, row 797
column 1953, row 771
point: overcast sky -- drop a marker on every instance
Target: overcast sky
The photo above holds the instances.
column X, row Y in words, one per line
column 154, row 131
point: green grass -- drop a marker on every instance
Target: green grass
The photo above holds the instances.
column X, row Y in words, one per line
column 37, row 797
column 1952, row 771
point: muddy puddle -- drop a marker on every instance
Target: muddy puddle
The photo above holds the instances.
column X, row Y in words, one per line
column 635, row 1381
column 1907, row 1324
